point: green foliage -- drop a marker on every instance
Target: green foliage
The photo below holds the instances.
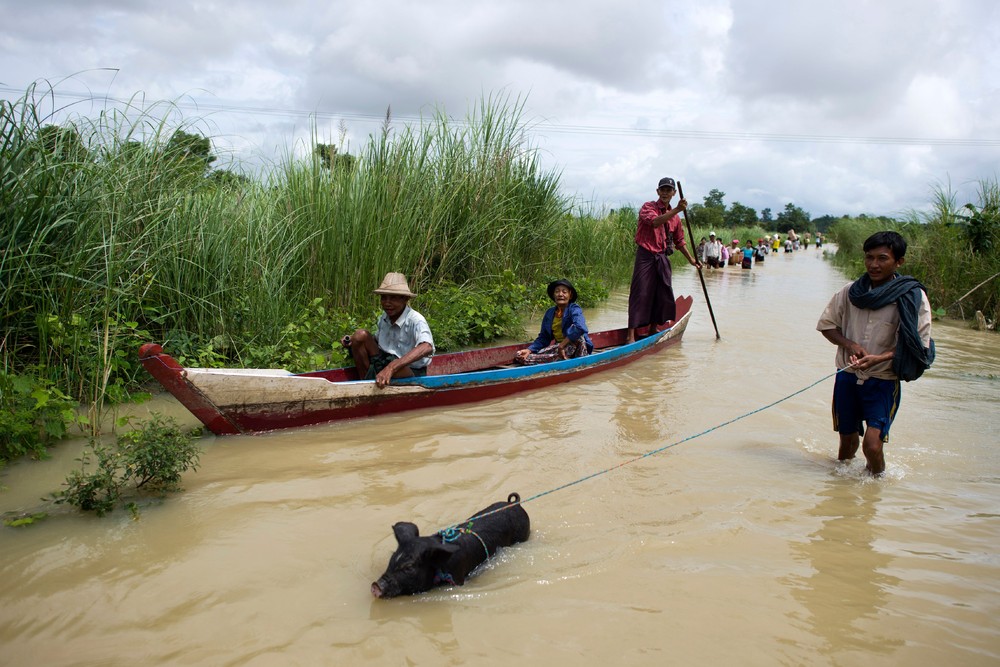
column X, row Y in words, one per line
column 331, row 158
column 190, row 152
column 33, row 413
column 461, row 316
column 823, row 223
column 739, row 215
column 113, row 232
column 792, row 217
column 309, row 342
column 983, row 220
column 25, row 520
column 940, row 254
column 712, row 214
column 714, row 199
column 150, row 459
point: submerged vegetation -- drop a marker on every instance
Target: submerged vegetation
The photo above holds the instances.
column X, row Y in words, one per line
column 147, row 460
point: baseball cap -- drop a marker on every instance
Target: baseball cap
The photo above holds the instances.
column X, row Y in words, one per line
column 667, row 182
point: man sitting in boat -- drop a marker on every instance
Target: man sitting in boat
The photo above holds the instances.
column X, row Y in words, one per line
column 402, row 345
column 564, row 330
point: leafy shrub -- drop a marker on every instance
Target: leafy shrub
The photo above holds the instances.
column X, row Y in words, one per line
column 32, row 414
column 150, row 459
column 464, row 315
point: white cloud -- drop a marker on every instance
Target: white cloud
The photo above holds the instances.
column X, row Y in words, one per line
column 855, row 69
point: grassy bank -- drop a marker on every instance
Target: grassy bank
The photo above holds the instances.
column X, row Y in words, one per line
column 113, row 234
column 953, row 250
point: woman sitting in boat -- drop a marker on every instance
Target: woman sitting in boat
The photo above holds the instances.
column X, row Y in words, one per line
column 564, row 330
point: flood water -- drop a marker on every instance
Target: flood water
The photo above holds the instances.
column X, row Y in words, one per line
column 744, row 544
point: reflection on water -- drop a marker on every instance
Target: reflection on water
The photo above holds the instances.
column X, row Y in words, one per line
column 746, row 544
column 847, row 586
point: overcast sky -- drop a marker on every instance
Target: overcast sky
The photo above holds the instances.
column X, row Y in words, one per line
column 838, row 107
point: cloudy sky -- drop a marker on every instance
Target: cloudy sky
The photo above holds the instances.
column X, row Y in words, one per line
column 838, row 107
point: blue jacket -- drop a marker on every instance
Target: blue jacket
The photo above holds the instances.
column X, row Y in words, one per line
column 573, row 327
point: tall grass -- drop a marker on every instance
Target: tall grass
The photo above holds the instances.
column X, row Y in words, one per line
column 107, row 239
column 951, row 249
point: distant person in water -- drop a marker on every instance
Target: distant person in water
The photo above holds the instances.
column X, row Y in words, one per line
column 402, row 344
column 881, row 325
column 713, row 252
column 748, row 252
column 760, row 253
column 735, row 253
column 659, row 232
column 564, row 332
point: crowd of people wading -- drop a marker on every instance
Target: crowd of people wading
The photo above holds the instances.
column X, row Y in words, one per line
column 714, row 253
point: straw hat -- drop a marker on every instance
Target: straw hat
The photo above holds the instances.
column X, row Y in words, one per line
column 394, row 283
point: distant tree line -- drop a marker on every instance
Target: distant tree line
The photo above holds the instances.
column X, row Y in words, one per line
column 714, row 213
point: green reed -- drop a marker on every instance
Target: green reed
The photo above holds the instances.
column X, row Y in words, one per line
column 108, row 240
column 952, row 249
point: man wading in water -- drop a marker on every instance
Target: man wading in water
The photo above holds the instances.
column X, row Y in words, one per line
column 881, row 325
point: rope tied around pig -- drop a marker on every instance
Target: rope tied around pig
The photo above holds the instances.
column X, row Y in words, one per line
column 455, row 527
column 453, row 533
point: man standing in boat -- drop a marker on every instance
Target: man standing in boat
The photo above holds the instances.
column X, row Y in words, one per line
column 659, row 233
column 402, row 345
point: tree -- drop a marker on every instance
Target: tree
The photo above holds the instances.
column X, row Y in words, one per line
column 227, row 178
column 791, row 218
column 823, row 223
column 62, row 143
column 712, row 214
column 739, row 215
column 328, row 155
column 765, row 217
column 191, row 150
column 714, row 199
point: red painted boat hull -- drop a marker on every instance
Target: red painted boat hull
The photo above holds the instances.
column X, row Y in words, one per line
column 239, row 401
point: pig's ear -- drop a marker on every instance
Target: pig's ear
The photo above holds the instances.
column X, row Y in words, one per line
column 405, row 531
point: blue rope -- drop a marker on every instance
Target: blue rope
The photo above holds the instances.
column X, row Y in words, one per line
column 649, row 453
column 451, row 534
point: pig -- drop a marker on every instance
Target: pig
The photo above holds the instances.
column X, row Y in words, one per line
column 421, row 563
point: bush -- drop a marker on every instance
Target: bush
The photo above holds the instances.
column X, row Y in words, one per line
column 32, row 413
column 462, row 315
column 150, row 459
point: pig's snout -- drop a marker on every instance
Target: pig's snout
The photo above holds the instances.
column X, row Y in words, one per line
column 385, row 588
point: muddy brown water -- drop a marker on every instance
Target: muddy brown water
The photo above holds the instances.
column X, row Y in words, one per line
column 744, row 544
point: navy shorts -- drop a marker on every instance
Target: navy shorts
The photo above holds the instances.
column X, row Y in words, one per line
column 875, row 402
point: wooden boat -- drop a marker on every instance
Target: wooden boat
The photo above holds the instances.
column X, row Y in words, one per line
column 236, row 401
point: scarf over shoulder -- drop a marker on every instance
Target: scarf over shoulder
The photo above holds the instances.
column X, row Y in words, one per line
column 911, row 358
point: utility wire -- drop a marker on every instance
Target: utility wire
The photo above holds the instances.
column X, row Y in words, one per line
column 558, row 128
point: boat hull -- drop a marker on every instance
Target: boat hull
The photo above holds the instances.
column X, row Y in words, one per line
column 252, row 401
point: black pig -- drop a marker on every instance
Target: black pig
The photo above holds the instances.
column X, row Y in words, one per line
column 421, row 563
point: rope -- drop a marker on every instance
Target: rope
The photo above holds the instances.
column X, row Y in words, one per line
column 452, row 534
column 653, row 452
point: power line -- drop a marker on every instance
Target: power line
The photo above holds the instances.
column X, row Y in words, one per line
column 546, row 126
